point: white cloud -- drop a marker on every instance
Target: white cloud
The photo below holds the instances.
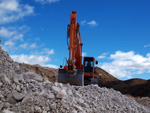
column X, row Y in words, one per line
column 46, row 1
column 51, row 66
column 12, row 33
column 12, row 36
column 34, row 59
column 50, row 52
column 6, row 33
column 83, row 22
column 148, row 45
column 91, row 23
column 126, row 64
column 102, row 56
column 12, row 10
column 9, row 43
column 47, row 51
column 18, row 37
column 23, row 46
column 28, row 46
column 84, row 54
column 11, row 5
column 31, row 59
column 33, row 46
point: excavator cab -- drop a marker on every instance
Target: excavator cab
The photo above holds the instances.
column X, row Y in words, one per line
column 88, row 65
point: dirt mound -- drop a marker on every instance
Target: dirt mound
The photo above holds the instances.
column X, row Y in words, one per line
column 135, row 87
column 104, row 76
column 45, row 72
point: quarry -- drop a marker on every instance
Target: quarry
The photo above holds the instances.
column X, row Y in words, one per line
column 23, row 91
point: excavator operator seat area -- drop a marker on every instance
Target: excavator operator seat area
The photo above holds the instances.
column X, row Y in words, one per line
column 88, row 64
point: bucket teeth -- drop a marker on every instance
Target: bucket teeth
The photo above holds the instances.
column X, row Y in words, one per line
column 74, row 79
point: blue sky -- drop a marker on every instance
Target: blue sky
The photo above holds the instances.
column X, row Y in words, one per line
column 115, row 32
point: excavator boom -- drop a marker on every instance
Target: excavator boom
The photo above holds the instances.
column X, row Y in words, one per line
column 73, row 72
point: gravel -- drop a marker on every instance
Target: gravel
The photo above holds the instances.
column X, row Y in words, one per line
column 25, row 92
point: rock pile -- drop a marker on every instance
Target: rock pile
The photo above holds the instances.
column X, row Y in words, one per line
column 25, row 92
column 46, row 73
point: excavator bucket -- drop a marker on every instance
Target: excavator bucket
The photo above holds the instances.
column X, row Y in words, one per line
column 74, row 79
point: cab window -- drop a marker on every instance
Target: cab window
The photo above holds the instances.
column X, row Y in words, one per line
column 88, row 66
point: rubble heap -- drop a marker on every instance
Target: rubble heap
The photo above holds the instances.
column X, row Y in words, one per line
column 25, row 92
column 45, row 72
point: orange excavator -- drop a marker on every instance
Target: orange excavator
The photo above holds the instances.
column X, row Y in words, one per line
column 74, row 72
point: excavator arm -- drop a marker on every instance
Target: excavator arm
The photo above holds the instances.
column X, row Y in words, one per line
column 73, row 72
column 75, row 45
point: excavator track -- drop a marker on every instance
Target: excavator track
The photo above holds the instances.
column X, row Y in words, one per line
column 90, row 81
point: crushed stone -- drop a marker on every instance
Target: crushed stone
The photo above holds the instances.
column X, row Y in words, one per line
column 25, row 92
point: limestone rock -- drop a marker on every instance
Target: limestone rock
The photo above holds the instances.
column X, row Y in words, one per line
column 27, row 97
column 6, row 105
column 37, row 109
column 34, row 76
column 18, row 96
column 1, row 84
column 53, row 106
column 1, row 105
column 7, row 111
column 61, row 94
column 55, row 89
column 44, row 112
column 11, row 100
column 74, row 111
column 18, row 88
column 117, row 100
column 6, row 80
column 18, row 78
column 51, row 96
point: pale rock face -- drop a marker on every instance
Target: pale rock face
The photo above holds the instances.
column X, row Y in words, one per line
column 53, row 106
column 7, row 111
column 51, row 96
column 18, row 78
column 37, row 109
column 11, row 100
column 55, row 89
column 18, row 96
column 44, row 112
column 61, row 94
column 34, row 76
column 1, row 84
column 1, row 105
column 18, row 88
column 27, row 98
column 6, row 105
column 5, row 80
column 74, row 111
